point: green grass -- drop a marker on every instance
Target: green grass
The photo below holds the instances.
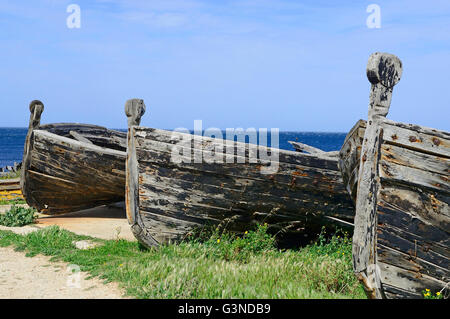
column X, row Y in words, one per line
column 222, row 266
column 18, row 216
column 12, row 202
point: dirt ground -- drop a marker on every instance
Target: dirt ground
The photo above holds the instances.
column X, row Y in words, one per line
column 36, row 277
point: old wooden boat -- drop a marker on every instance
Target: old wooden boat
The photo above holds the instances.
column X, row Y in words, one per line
column 398, row 175
column 169, row 196
column 68, row 166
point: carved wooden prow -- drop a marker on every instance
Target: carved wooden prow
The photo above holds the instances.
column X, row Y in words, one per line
column 36, row 109
column 134, row 109
column 384, row 72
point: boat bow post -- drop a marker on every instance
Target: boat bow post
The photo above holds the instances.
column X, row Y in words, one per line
column 36, row 109
column 384, row 72
column 134, row 109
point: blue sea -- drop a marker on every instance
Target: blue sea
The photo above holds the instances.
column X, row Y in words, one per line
column 12, row 142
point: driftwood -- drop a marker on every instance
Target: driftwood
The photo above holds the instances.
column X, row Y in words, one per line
column 69, row 166
column 401, row 243
column 169, row 197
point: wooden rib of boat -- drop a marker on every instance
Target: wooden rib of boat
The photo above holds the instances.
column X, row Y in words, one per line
column 169, row 196
column 305, row 148
column 70, row 166
column 399, row 175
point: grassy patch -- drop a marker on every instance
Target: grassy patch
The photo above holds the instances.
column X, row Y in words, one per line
column 11, row 175
column 18, row 216
column 223, row 266
column 12, row 201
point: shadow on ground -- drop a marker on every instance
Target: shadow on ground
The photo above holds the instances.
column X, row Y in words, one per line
column 106, row 222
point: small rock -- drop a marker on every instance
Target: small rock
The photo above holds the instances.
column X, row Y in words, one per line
column 24, row 230
column 85, row 244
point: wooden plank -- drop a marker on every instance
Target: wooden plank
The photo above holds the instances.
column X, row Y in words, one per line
column 413, row 264
column 10, row 187
column 417, row 138
column 396, row 293
column 157, row 227
column 430, row 207
column 98, row 135
column 393, row 237
column 296, row 158
column 398, row 277
column 414, row 159
column 76, row 145
column 305, row 148
column 11, row 181
column 114, row 142
column 79, row 137
column 391, row 171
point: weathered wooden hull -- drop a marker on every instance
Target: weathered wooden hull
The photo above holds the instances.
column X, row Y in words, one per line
column 399, row 176
column 349, row 157
column 167, row 200
column 62, row 173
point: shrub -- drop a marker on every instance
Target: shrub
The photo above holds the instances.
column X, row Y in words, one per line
column 228, row 246
column 18, row 216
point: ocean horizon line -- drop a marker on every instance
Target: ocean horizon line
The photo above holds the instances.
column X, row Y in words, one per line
column 192, row 130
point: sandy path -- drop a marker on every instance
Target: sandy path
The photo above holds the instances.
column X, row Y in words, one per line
column 37, row 277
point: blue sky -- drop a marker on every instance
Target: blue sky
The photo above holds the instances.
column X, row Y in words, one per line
column 292, row 65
